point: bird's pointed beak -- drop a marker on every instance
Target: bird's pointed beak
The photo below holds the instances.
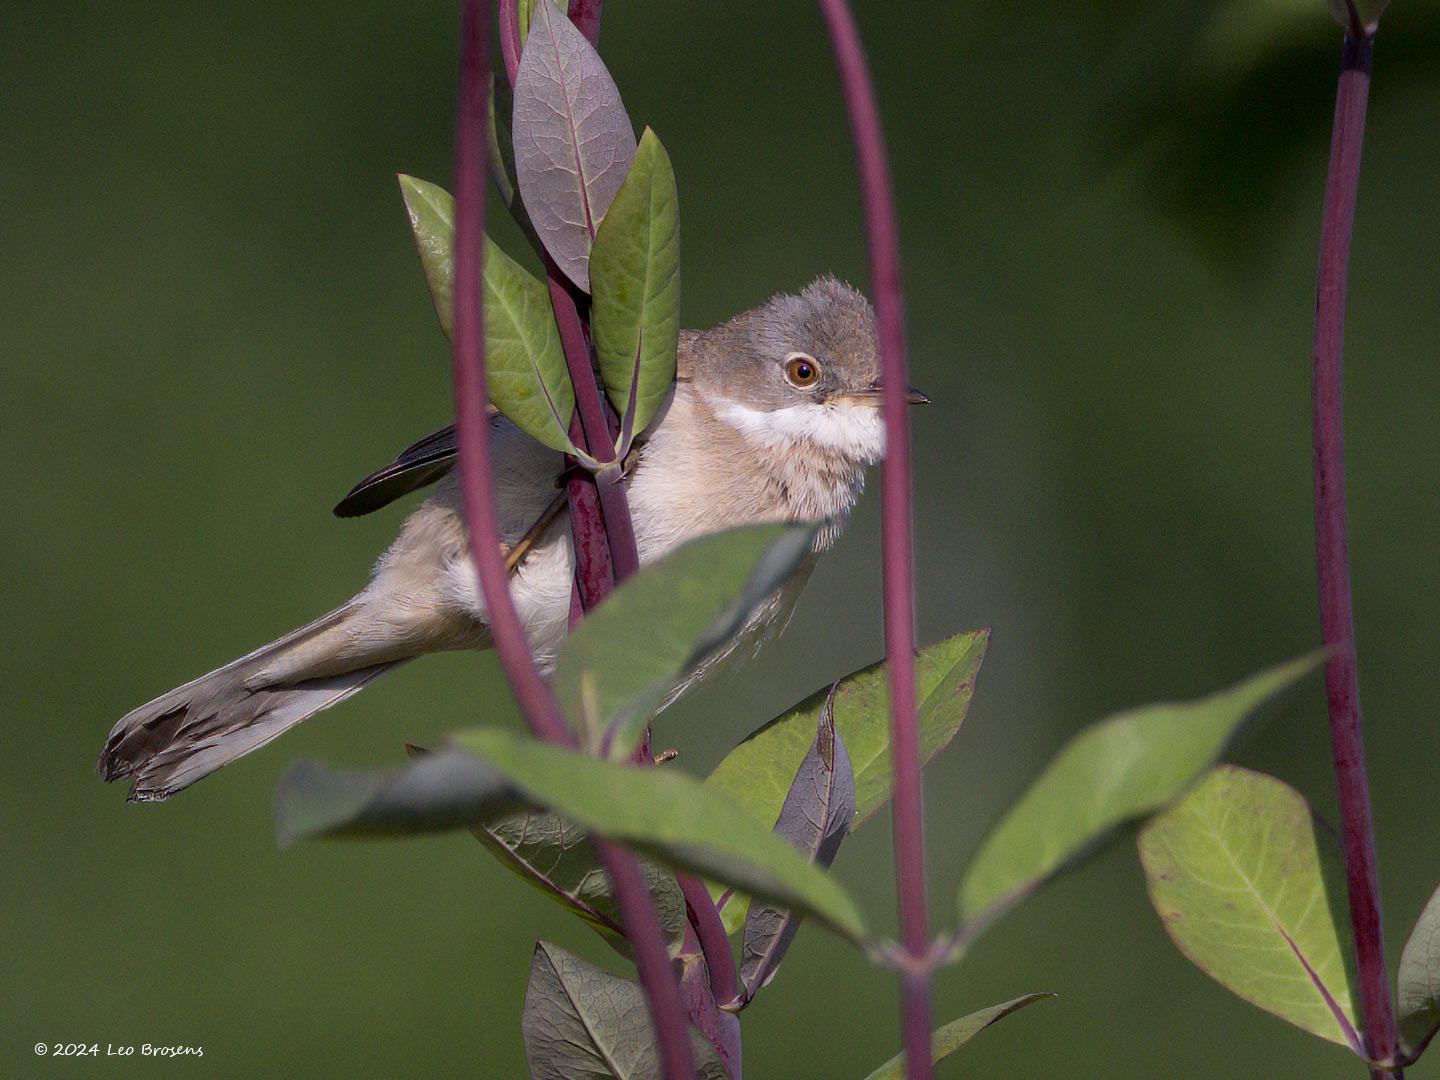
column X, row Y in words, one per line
column 873, row 395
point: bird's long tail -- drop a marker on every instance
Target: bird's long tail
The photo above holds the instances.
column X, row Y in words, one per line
column 180, row 737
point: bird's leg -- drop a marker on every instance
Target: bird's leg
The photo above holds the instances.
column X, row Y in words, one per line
column 522, row 547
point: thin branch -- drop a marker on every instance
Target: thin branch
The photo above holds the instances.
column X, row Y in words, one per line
column 637, row 906
column 1333, row 556
column 884, row 248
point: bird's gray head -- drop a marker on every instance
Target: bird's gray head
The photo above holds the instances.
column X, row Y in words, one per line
column 798, row 372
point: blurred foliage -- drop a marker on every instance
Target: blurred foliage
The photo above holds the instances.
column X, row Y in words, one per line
column 213, row 326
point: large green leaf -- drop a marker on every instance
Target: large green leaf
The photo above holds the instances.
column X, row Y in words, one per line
column 486, row 774
column 1252, row 892
column 635, row 287
column 670, row 815
column 1419, row 981
column 1112, row 773
column 580, row 1022
column 671, row 618
column 758, row 773
column 956, row 1034
column 525, row 366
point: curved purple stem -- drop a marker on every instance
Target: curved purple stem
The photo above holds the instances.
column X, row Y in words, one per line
column 476, row 474
column 884, row 248
column 537, row 704
column 1332, row 550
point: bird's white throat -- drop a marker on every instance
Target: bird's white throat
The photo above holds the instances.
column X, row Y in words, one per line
column 849, row 429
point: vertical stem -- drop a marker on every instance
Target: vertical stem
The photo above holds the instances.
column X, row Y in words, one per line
column 884, row 249
column 637, row 906
column 1332, row 549
column 472, row 422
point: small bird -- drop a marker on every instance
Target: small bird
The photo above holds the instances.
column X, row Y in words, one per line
column 773, row 417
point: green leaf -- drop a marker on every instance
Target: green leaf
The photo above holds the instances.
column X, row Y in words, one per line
column 635, row 287
column 956, row 1034
column 1252, row 893
column 678, row 614
column 758, row 773
column 671, row 816
column 583, row 1022
column 555, row 856
column 1112, row 773
column 1419, row 981
column 435, row 792
column 525, row 366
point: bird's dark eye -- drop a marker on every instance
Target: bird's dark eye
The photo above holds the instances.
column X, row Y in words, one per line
column 801, row 370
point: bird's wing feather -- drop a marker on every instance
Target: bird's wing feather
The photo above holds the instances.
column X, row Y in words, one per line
column 419, row 464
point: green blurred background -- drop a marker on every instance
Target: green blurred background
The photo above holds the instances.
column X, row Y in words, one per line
column 213, row 323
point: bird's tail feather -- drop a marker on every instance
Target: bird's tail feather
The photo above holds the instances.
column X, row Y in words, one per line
column 183, row 736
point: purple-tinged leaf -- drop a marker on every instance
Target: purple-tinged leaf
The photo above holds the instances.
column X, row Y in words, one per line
column 582, row 1023
column 815, row 818
column 572, row 138
column 1419, row 982
column 956, row 1034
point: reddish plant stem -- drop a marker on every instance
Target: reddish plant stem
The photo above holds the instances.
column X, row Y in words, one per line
column 476, row 474
column 598, row 442
column 637, row 906
column 713, row 940
column 585, row 14
column 1332, row 550
column 884, row 250
column 594, row 577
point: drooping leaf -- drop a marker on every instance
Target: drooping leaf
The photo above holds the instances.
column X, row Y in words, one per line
column 815, row 818
column 555, row 856
column 673, row 616
column 956, row 1034
column 1112, row 773
column 1252, row 892
column 572, row 137
column 670, row 816
column 525, row 366
column 1419, row 981
column 580, row 1022
column 446, row 790
column 635, row 287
